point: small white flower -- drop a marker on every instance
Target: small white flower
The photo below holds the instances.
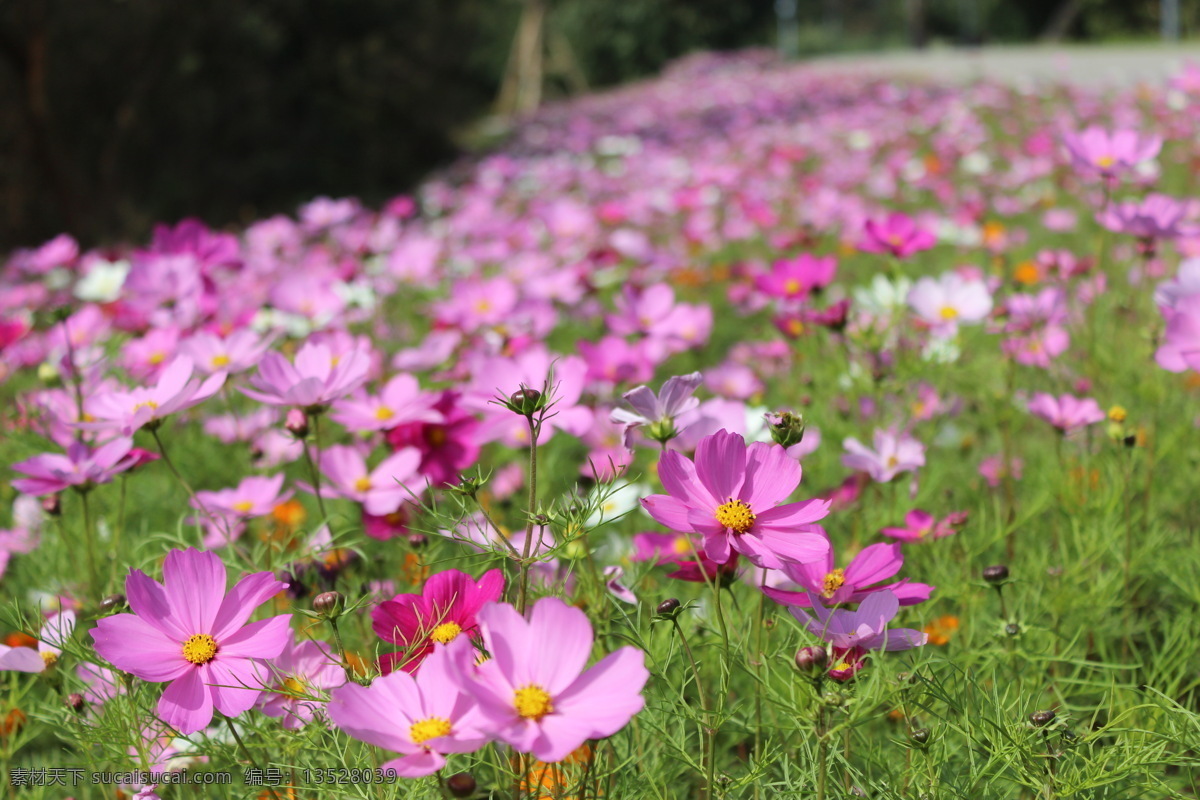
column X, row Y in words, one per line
column 103, row 282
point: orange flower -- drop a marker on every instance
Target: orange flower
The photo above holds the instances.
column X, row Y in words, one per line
column 553, row 781
column 1027, row 273
column 20, row 640
column 941, row 629
column 413, row 570
column 289, row 514
column 13, row 721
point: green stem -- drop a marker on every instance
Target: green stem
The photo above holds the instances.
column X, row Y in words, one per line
column 531, row 510
column 237, row 738
column 312, row 465
column 89, row 542
column 707, row 761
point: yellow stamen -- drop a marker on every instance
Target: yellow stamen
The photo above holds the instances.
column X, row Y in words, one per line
column 221, row 360
column 157, row 358
column 681, row 545
column 426, row 729
column 362, row 484
column 735, row 515
column 200, row 648
column 436, row 436
column 150, row 404
column 532, row 702
column 293, row 686
column 792, row 286
column 1105, row 161
column 446, row 632
column 243, row 506
column 948, row 313
column 833, row 581
column 49, row 658
column 383, row 412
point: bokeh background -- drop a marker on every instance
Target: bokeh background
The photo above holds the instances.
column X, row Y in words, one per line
column 115, row 114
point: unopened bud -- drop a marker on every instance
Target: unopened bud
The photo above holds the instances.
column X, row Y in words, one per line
column 114, row 602
column 296, row 423
column 1012, row 629
column 787, row 428
column 75, row 701
column 668, row 608
column 995, row 574
column 811, row 659
column 919, row 736
column 328, row 604
column 461, row 784
column 52, row 504
column 1042, row 718
column 526, row 401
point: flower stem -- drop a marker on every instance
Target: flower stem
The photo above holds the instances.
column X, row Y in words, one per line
column 707, row 762
column 522, row 596
column 89, row 542
column 312, row 465
column 237, row 738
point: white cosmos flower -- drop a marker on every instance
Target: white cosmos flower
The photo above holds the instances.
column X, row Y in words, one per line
column 103, row 282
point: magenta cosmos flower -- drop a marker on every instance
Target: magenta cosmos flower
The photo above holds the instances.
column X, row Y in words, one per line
column 731, row 496
column 534, row 693
column 315, row 380
column 795, row 278
column 894, row 453
column 921, row 525
column 81, row 467
column 896, row 234
column 175, row 391
column 851, row 584
column 422, row 717
column 447, row 446
column 444, row 610
column 187, row 631
column 1066, row 412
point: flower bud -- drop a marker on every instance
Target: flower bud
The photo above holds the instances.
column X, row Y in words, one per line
column 114, row 602
column 1012, row 629
column 526, row 401
column 668, row 607
column 787, row 427
column 995, row 574
column 661, row 431
column 52, row 504
column 811, row 659
column 75, row 701
column 919, row 736
column 296, row 423
column 461, row 784
column 1041, row 719
column 328, row 604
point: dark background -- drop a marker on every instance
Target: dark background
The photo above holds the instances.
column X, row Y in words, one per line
column 115, row 114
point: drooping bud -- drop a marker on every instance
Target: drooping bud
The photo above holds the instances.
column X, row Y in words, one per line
column 668, row 608
column 787, row 427
column 112, row 603
column 52, row 504
column 75, row 701
column 919, row 736
column 997, row 573
column 328, row 604
column 296, row 423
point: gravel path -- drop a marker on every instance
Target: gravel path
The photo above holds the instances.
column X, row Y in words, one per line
column 1091, row 66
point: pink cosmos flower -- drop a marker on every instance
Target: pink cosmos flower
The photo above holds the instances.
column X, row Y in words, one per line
column 187, row 631
column 146, row 356
column 55, row 631
column 237, row 352
column 864, row 628
column 946, row 302
column 422, row 717
column 1156, row 216
column 1180, row 350
column 102, row 683
column 897, row 234
column 1066, row 412
column 255, row 496
column 1095, row 151
column 894, row 453
column 534, row 693
column 851, row 584
column 920, row 526
column 994, row 470
column 445, row 608
column 81, row 467
column 448, row 445
column 795, row 278
column 315, row 380
column 25, row 535
column 400, row 402
column 381, row 490
column 129, row 410
column 301, row 670
column 730, row 495
column 1039, row 348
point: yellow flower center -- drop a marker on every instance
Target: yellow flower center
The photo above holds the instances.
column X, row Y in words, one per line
column 947, row 313
column 200, row 648
column 221, row 361
column 735, row 515
column 795, row 327
column 681, row 545
column 150, row 404
column 445, row 633
column 532, row 702
column 362, row 484
column 792, row 286
column 49, row 658
column 157, row 358
column 426, row 729
column 892, row 461
column 293, row 686
column 840, row 666
column 383, row 412
column 1105, row 161
column 436, row 436
column 243, row 506
column 833, row 581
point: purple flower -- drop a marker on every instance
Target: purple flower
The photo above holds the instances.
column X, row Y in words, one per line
column 852, row 584
column 81, row 467
column 644, row 408
column 301, row 670
column 315, row 380
column 894, row 453
column 864, row 628
column 128, row 411
column 1066, row 412
column 381, row 490
column 896, row 234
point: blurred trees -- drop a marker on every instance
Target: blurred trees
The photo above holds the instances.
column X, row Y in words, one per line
column 118, row 113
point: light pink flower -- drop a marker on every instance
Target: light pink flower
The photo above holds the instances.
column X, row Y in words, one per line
column 894, row 453
column 945, row 303
column 381, row 490
column 1066, row 412
column 400, row 402
column 175, row 391
column 315, row 380
column 303, row 669
column 81, row 467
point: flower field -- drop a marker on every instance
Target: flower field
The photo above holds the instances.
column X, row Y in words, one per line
column 745, row 433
